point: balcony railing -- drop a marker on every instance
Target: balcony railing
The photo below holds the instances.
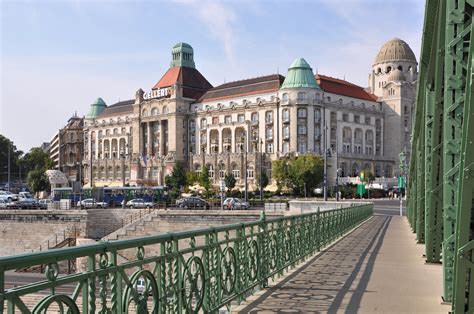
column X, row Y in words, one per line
column 182, row 272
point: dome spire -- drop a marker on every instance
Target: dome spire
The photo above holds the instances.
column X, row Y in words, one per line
column 300, row 75
column 96, row 108
column 182, row 56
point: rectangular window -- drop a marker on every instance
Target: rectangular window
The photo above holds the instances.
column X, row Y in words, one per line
column 367, row 120
column 302, row 129
column 241, row 118
column 236, row 173
column 286, row 147
column 345, row 117
column 286, row 132
column 302, row 147
column 269, row 133
column 302, row 113
column 269, row 148
column 215, row 120
column 250, row 173
column 356, row 118
column 228, row 119
column 269, row 117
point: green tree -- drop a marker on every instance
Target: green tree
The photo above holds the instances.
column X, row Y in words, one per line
column 264, row 179
column 177, row 179
column 299, row 173
column 230, row 181
column 5, row 146
column 192, row 177
column 38, row 181
column 280, row 170
column 36, row 162
column 204, row 180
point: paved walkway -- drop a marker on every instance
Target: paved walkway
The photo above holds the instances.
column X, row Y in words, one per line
column 378, row 268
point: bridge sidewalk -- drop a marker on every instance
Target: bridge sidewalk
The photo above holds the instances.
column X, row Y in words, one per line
column 378, row 268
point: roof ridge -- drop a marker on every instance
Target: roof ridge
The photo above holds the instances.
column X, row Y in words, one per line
column 223, row 86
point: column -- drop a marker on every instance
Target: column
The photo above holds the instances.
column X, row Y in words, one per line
column 148, row 139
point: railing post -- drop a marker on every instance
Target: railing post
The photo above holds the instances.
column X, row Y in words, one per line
column 263, row 239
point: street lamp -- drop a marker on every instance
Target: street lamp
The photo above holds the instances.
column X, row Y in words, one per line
column 261, row 169
column 337, row 183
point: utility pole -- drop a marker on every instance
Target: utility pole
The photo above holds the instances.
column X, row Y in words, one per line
column 261, row 169
column 8, row 165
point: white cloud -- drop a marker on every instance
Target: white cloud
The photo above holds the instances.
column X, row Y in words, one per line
column 221, row 20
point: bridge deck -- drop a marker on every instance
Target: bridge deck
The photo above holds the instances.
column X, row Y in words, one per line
column 378, row 268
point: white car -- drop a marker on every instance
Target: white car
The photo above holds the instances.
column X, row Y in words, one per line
column 91, row 203
column 235, row 203
column 139, row 203
column 3, row 204
column 8, row 196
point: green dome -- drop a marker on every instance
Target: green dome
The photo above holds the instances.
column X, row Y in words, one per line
column 182, row 45
column 300, row 75
column 182, row 56
column 97, row 107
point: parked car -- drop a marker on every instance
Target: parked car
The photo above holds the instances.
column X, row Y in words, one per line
column 235, row 203
column 3, row 204
column 8, row 196
column 139, row 203
column 192, row 203
column 91, row 203
column 43, row 204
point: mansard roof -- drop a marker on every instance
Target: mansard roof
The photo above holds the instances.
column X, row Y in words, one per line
column 122, row 107
column 194, row 84
column 258, row 85
column 342, row 87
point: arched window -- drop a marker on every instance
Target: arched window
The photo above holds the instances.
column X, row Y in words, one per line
column 379, row 70
column 284, row 98
column 154, row 111
column 400, row 68
column 165, row 109
column 144, row 113
column 388, row 69
column 211, row 171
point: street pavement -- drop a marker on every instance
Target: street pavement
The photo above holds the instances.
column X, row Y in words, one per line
column 377, row 268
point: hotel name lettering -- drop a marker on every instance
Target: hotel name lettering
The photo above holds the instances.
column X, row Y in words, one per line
column 157, row 93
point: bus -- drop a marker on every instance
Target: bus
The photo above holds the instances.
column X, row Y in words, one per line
column 112, row 195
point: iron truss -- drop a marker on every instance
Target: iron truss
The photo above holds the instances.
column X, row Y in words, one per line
column 441, row 189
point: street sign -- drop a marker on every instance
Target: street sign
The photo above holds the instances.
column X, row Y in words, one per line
column 222, row 185
column 401, row 182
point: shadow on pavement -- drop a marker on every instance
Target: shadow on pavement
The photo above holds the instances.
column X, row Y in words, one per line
column 333, row 281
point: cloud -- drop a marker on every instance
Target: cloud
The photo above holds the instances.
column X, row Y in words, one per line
column 221, row 20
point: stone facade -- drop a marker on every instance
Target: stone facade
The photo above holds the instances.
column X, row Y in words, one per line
column 241, row 127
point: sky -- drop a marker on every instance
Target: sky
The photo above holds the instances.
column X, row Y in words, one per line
column 57, row 57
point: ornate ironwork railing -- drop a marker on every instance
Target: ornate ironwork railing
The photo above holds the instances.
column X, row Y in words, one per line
column 190, row 271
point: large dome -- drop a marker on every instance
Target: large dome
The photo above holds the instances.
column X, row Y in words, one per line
column 395, row 50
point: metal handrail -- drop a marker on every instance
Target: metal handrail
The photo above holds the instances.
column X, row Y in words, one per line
column 188, row 271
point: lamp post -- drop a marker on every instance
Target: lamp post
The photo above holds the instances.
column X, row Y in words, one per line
column 261, row 169
column 325, row 176
column 401, row 179
column 8, row 166
column 337, row 183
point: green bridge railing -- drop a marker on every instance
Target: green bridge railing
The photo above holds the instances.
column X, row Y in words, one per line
column 191, row 271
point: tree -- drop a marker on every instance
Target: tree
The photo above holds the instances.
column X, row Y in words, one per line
column 204, row 180
column 36, row 162
column 177, row 179
column 5, row 146
column 230, row 181
column 263, row 181
column 280, row 172
column 38, row 181
column 299, row 173
column 192, row 177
